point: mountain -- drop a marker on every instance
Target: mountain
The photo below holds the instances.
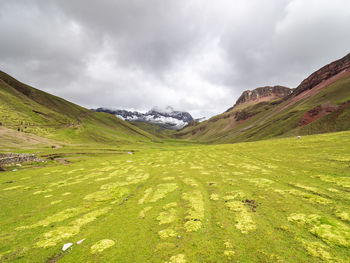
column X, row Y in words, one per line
column 38, row 113
column 321, row 103
column 167, row 118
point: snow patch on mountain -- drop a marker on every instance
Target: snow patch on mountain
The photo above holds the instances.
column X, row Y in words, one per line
column 167, row 117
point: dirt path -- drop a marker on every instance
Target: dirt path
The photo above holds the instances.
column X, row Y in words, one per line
column 12, row 138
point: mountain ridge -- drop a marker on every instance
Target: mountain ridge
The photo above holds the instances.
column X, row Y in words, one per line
column 322, row 74
column 320, row 103
column 168, row 117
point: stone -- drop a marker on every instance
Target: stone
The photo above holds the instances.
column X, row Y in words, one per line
column 66, row 246
column 80, row 241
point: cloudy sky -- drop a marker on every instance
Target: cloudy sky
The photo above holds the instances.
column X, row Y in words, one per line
column 195, row 55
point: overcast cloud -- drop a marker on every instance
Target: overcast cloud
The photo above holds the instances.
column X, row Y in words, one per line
column 195, row 55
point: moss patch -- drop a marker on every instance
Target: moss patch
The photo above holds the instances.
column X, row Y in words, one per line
column 51, row 238
column 162, row 190
column 13, row 188
column 145, row 196
column 166, row 233
column 168, row 178
column 55, row 202
column 329, row 230
column 341, row 181
column 260, row 182
column 166, row 217
column 312, row 198
column 105, row 195
column 169, row 215
column 316, row 249
column 243, row 217
column 190, row 181
column 101, row 245
column 228, row 252
column 214, row 197
column 343, row 215
column 180, row 258
column 195, row 211
column 143, row 212
column 58, row 217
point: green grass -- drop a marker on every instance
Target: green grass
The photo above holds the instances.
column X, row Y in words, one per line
column 156, row 130
column 280, row 200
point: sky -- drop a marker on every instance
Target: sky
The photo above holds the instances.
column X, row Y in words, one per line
column 195, row 55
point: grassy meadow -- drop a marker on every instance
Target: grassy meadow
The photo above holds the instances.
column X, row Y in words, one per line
column 281, row 200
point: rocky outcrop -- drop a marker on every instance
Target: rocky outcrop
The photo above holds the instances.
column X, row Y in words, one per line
column 263, row 94
column 323, row 74
column 11, row 158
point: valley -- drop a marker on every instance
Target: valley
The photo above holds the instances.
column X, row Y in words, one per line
column 175, row 131
column 266, row 181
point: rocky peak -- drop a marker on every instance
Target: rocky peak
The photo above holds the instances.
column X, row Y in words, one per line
column 263, row 94
column 323, row 74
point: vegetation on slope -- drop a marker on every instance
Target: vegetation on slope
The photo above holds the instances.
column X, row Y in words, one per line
column 156, row 130
column 276, row 118
column 37, row 112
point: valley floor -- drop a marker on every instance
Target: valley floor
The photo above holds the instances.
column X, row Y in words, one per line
column 282, row 200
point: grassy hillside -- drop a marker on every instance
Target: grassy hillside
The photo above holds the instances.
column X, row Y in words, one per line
column 281, row 200
column 277, row 118
column 155, row 129
column 45, row 115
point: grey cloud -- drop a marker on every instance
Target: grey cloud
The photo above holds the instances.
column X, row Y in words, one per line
column 194, row 55
column 149, row 34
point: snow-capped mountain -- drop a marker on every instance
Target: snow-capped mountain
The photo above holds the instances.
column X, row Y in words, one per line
column 167, row 117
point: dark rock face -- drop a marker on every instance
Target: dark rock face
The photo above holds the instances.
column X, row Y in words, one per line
column 179, row 115
column 263, row 94
column 323, row 73
column 168, row 117
column 122, row 113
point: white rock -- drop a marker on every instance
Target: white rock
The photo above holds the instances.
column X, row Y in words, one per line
column 66, row 246
column 80, row 241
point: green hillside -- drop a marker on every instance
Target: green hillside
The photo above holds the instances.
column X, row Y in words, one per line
column 157, row 130
column 278, row 118
column 39, row 113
